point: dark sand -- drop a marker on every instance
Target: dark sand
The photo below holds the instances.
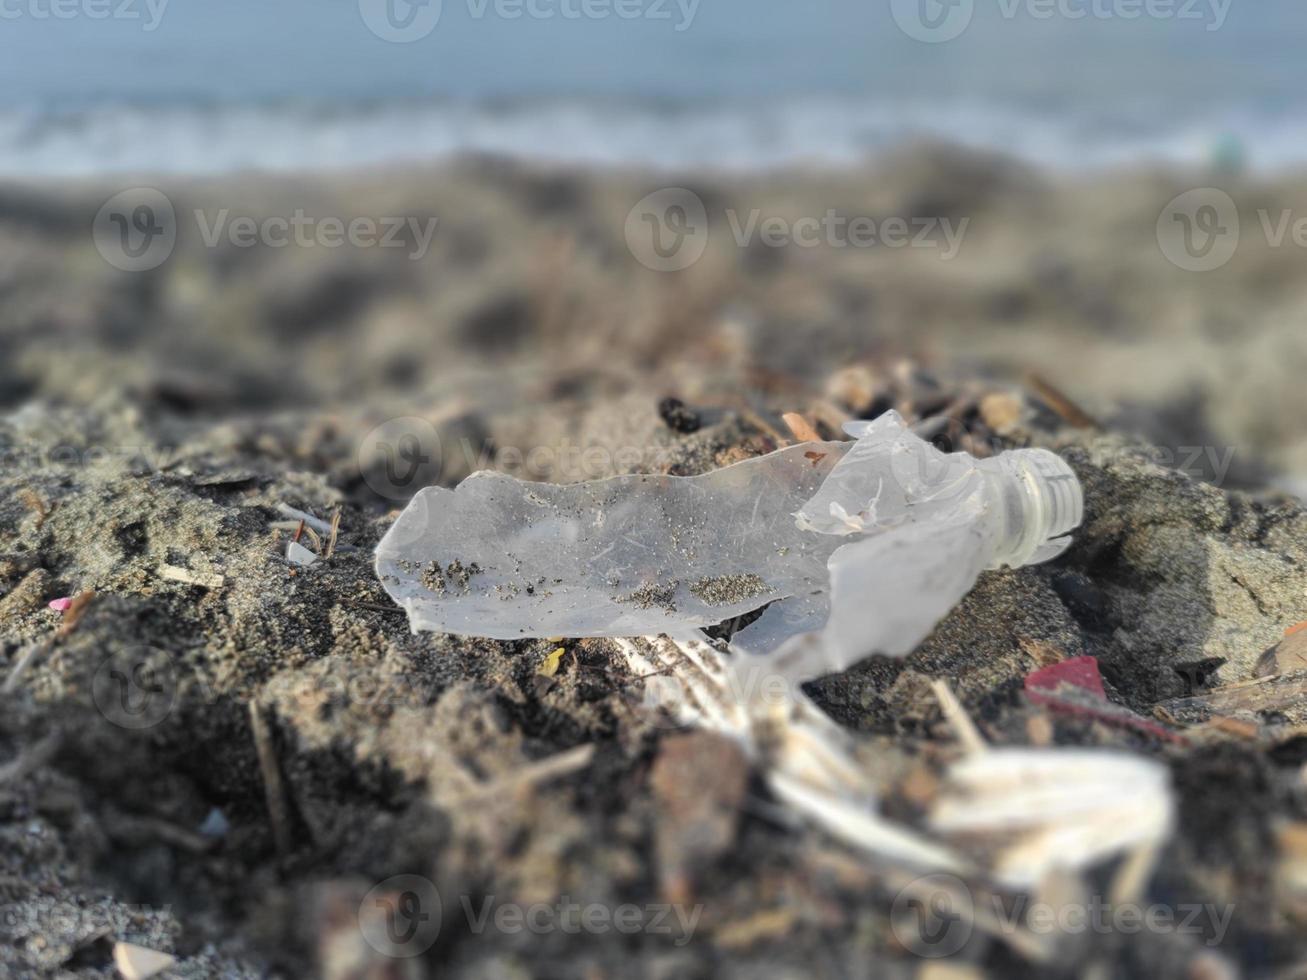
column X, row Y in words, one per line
column 155, row 421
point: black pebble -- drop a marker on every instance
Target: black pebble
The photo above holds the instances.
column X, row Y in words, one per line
column 677, row 416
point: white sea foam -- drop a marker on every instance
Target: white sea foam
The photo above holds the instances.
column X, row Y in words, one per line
column 203, row 140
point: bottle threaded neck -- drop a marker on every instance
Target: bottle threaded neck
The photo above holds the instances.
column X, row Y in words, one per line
column 1044, row 503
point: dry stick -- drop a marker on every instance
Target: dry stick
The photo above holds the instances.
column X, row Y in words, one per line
column 273, row 790
column 801, row 427
column 957, row 717
column 531, row 774
column 335, row 532
column 1058, row 401
column 72, row 616
column 34, row 758
column 763, row 426
column 24, row 661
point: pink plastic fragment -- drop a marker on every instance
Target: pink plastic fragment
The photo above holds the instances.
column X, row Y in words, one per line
column 1081, row 672
column 1075, row 687
column 61, row 605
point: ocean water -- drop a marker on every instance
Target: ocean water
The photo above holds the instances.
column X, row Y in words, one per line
column 210, row 86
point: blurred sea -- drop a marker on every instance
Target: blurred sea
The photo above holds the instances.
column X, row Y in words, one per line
column 211, row 87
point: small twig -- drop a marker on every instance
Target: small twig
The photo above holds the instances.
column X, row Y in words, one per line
column 801, row 427
column 958, row 719
column 763, row 426
column 34, row 503
column 317, row 523
column 1059, row 402
column 313, row 539
column 1132, row 877
column 74, row 613
column 205, row 580
column 273, row 790
column 24, row 661
column 529, row 775
column 31, row 760
column 335, row 533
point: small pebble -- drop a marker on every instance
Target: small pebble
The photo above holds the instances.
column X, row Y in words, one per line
column 677, row 417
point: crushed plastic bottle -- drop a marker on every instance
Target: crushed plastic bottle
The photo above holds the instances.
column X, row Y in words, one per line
column 853, row 548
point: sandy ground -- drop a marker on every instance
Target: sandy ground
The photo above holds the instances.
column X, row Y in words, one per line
column 297, row 748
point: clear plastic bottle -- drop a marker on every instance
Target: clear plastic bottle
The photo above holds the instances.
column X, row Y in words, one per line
column 922, row 525
column 853, row 548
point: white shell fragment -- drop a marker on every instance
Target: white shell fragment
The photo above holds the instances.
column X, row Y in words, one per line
column 138, row 962
column 854, row 548
column 297, row 554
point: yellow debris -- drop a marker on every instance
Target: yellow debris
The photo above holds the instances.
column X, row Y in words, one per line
column 550, row 666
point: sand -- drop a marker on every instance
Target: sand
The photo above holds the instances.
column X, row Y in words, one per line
column 157, row 421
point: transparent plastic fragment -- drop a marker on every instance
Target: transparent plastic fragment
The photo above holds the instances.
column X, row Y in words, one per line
column 628, row 556
column 854, row 548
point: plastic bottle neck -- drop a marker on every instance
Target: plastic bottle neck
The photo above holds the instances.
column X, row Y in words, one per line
column 1041, row 502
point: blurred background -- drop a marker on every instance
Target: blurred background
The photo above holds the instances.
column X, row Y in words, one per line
column 1102, row 191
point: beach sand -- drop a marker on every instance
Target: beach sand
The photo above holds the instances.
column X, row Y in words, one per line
column 155, row 422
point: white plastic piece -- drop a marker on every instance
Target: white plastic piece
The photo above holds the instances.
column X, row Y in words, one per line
column 297, row 554
column 1066, row 808
column 854, row 548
